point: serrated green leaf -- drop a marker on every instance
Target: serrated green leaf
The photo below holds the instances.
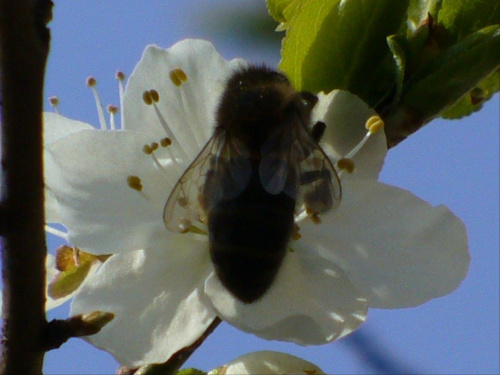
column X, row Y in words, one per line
column 473, row 101
column 418, row 10
column 277, row 8
column 463, row 17
column 343, row 45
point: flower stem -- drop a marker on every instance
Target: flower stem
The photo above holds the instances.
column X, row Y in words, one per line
column 24, row 44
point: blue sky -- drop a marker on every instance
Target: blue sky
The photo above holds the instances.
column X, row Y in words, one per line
column 451, row 163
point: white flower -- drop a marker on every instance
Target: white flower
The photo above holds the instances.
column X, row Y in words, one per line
column 268, row 362
column 383, row 247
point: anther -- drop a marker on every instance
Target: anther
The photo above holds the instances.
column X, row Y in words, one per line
column 134, row 182
column 315, row 218
column 177, row 76
column 147, row 149
column 154, row 95
column 120, row 76
column 91, row 82
column 150, row 96
column 146, row 97
column 165, row 142
column 296, row 233
column 345, row 164
column 54, row 103
column 374, row 124
column 154, row 146
column 185, row 225
column 113, row 109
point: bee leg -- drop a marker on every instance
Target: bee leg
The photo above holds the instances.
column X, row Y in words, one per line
column 317, row 131
column 309, row 177
column 318, row 199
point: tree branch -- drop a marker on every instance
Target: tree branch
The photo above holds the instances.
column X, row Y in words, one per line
column 24, row 44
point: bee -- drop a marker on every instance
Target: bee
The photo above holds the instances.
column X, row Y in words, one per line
column 261, row 167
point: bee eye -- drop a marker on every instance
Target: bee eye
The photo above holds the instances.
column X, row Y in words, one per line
column 309, row 99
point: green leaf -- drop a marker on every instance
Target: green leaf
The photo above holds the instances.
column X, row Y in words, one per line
column 191, row 371
column 473, row 101
column 74, row 266
column 68, row 281
column 398, row 54
column 342, row 45
column 455, row 72
column 463, row 17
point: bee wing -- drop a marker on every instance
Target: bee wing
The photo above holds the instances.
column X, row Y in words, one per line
column 293, row 163
column 276, row 161
column 220, row 171
column 319, row 185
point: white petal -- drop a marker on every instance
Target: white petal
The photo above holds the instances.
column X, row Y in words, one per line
column 158, row 303
column 268, row 363
column 396, row 248
column 89, row 171
column 311, row 302
column 57, row 127
column 188, row 108
column 345, row 117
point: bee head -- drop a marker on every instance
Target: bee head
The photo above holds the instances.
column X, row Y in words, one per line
column 257, row 100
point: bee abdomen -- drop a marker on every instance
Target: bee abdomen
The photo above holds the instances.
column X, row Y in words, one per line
column 248, row 241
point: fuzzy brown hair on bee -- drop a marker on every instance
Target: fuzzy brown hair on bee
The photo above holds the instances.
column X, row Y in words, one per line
column 262, row 166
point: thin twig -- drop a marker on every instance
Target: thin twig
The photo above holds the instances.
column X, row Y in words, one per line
column 24, row 44
column 176, row 360
column 57, row 331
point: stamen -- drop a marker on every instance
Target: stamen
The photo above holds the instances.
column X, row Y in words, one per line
column 112, row 110
column 120, row 77
column 91, row 82
column 177, row 76
column 54, row 103
column 149, row 150
column 152, row 97
column 134, row 183
column 374, row 124
column 345, row 164
column 56, row 232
